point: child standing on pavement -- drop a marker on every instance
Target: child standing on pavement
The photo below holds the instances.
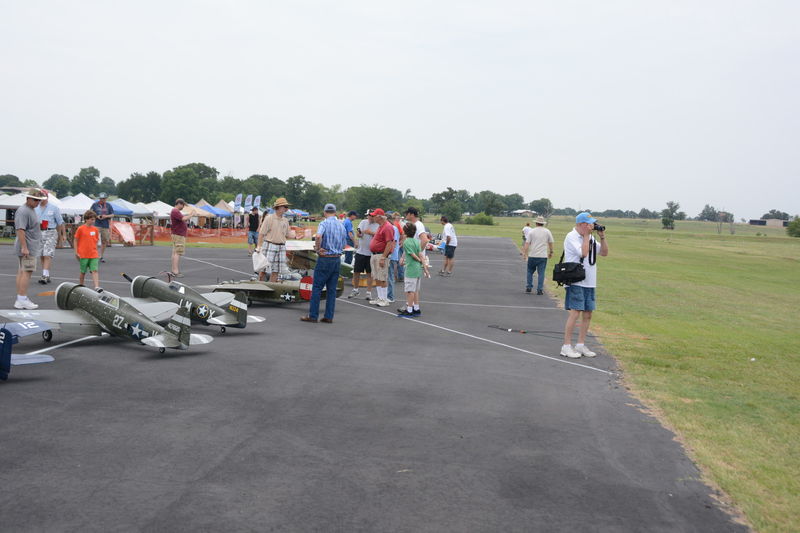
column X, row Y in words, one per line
column 86, row 238
column 414, row 269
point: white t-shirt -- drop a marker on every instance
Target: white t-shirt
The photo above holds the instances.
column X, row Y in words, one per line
column 572, row 254
column 537, row 240
column 450, row 231
column 420, row 229
column 365, row 238
column 526, row 230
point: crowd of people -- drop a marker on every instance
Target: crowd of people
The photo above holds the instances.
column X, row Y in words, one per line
column 383, row 249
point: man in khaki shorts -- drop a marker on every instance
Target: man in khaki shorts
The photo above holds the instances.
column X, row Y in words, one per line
column 381, row 247
column 27, row 245
column 275, row 230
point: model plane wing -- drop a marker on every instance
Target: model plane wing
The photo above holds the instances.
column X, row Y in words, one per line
column 155, row 311
column 296, row 246
column 30, row 359
column 74, row 321
column 258, row 286
column 219, row 298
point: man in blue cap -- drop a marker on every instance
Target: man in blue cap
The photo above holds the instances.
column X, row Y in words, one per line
column 580, row 246
column 329, row 244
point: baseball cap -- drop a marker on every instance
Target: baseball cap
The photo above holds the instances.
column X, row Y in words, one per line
column 103, row 195
column 378, row 212
column 584, row 217
column 330, row 208
column 352, row 214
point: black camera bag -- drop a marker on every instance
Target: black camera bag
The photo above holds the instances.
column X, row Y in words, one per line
column 566, row 273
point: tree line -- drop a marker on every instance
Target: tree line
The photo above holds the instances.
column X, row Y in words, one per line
column 197, row 181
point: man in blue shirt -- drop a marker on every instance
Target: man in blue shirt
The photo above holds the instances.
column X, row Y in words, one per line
column 329, row 243
column 105, row 212
column 52, row 226
column 348, row 227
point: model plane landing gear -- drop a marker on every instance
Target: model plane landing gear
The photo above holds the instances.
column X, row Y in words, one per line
column 162, row 350
column 222, row 329
column 47, row 336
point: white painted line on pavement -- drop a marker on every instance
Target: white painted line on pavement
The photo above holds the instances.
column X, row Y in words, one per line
column 418, row 321
column 492, row 305
column 218, row 266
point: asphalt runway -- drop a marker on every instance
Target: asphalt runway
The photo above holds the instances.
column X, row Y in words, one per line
column 372, row 423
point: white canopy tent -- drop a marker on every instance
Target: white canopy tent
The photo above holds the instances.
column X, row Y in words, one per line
column 138, row 210
column 77, row 205
column 161, row 209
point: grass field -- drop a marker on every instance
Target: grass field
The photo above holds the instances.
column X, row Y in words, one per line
column 701, row 323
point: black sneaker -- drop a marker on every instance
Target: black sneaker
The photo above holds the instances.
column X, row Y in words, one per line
column 43, row 281
column 102, row 260
column 404, row 312
column 527, row 289
column 47, row 278
column 416, row 312
column 539, row 292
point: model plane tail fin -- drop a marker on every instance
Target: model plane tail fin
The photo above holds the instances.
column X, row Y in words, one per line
column 235, row 313
column 177, row 333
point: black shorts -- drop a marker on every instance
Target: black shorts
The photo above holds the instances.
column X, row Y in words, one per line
column 449, row 251
column 361, row 264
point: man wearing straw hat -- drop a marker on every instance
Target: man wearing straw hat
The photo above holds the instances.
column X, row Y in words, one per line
column 538, row 248
column 27, row 245
column 275, row 230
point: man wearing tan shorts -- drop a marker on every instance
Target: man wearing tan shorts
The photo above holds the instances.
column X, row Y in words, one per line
column 179, row 229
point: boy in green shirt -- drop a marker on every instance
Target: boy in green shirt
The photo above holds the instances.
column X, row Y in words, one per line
column 415, row 267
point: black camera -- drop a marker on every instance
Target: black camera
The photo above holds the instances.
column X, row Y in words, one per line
column 598, row 227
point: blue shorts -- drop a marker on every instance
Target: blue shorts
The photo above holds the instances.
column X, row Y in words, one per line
column 579, row 298
column 252, row 237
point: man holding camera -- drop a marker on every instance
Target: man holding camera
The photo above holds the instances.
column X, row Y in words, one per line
column 580, row 246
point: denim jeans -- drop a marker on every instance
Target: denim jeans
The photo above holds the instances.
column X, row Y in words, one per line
column 348, row 258
column 326, row 274
column 401, row 270
column 390, row 282
column 538, row 264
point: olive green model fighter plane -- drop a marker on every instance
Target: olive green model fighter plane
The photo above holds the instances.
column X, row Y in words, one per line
column 82, row 311
column 212, row 309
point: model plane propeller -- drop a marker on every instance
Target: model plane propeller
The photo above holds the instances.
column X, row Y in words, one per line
column 82, row 311
column 214, row 308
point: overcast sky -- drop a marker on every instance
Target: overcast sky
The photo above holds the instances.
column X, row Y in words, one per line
column 612, row 104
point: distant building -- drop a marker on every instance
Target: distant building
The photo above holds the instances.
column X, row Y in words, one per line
column 769, row 222
column 522, row 213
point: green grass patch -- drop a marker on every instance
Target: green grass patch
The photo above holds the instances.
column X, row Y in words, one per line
column 685, row 312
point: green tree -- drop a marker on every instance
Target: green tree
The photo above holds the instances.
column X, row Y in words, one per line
column 488, row 202
column 141, row 188
column 87, row 182
column 708, row 213
column 774, row 213
column 364, row 197
column 108, row 185
column 58, row 184
column 452, row 209
column 296, row 190
column 542, row 206
column 668, row 215
column 10, row 180
column 314, row 197
column 646, row 213
column 30, row 183
column 514, row 201
column 190, row 182
column 261, row 184
column 793, row 229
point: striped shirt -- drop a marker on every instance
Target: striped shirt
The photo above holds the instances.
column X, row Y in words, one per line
column 332, row 235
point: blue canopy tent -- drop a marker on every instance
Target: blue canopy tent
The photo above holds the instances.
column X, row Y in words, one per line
column 216, row 211
column 120, row 209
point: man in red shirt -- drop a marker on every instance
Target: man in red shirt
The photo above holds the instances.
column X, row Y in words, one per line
column 381, row 247
column 178, row 227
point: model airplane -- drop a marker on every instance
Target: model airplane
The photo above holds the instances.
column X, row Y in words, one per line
column 213, row 308
column 296, row 285
column 9, row 336
column 82, row 311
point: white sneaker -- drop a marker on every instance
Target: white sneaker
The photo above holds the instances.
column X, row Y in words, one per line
column 369, row 295
column 25, row 304
column 583, row 350
column 382, row 303
column 568, row 351
column 353, row 293
column 374, row 302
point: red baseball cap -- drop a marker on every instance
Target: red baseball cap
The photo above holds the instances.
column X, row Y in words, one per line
column 378, row 213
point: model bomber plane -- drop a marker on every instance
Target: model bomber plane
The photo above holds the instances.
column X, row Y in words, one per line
column 301, row 260
column 82, row 311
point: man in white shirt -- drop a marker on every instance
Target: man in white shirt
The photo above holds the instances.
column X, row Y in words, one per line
column 581, row 247
column 538, row 248
column 450, row 243
column 525, row 230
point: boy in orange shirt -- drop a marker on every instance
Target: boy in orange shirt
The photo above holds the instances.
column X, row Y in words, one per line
column 86, row 238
